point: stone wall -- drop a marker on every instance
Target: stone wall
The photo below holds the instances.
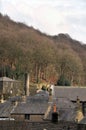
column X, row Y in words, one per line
column 81, row 127
column 32, row 117
column 25, row 125
column 18, row 117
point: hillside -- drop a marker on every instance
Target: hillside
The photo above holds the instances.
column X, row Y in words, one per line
column 46, row 58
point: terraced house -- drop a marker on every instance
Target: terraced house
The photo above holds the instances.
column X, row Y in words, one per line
column 40, row 107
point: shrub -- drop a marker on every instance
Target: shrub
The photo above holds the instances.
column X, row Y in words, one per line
column 43, row 88
column 63, row 81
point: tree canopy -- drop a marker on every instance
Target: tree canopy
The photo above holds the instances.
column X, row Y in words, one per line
column 46, row 58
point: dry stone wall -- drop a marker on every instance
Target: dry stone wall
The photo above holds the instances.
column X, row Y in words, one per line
column 25, row 125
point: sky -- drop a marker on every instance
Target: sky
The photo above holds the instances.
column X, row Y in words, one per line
column 49, row 16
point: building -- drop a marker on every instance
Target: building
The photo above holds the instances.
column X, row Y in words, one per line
column 10, row 87
column 31, row 108
column 37, row 108
column 72, row 93
column 40, row 106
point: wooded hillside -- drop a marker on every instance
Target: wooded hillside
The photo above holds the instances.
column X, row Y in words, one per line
column 47, row 58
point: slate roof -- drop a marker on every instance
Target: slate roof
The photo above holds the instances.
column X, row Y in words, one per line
column 83, row 121
column 6, row 79
column 39, row 105
column 65, row 108
column 70, row 92
column 15, row 98
column 30, row 108
column 34, row 105
column 5, row 109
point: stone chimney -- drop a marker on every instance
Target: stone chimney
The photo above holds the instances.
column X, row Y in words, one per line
column 2, row 98
column 16, row 103
column 79, row 113
column 54, row 108
column 27, row 81
column 24, row 99
column 54, row 114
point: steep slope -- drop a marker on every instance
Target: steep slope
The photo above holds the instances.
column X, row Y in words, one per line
column 23, row 49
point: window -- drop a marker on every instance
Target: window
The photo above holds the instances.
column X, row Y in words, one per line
column 27, row 117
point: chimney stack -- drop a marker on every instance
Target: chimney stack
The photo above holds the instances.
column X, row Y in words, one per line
column 54, row 114
column 2, row 98
column 79, row 113
column 27, row 81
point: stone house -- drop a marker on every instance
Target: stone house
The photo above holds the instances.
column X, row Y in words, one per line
column 72, row 93
column 31, row 108
column 9, row 87
column 37, row 108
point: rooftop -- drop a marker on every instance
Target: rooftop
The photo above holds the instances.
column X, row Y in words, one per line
column 6, row 79
column 83, row 121
column 39, row 105
column 70, row 92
